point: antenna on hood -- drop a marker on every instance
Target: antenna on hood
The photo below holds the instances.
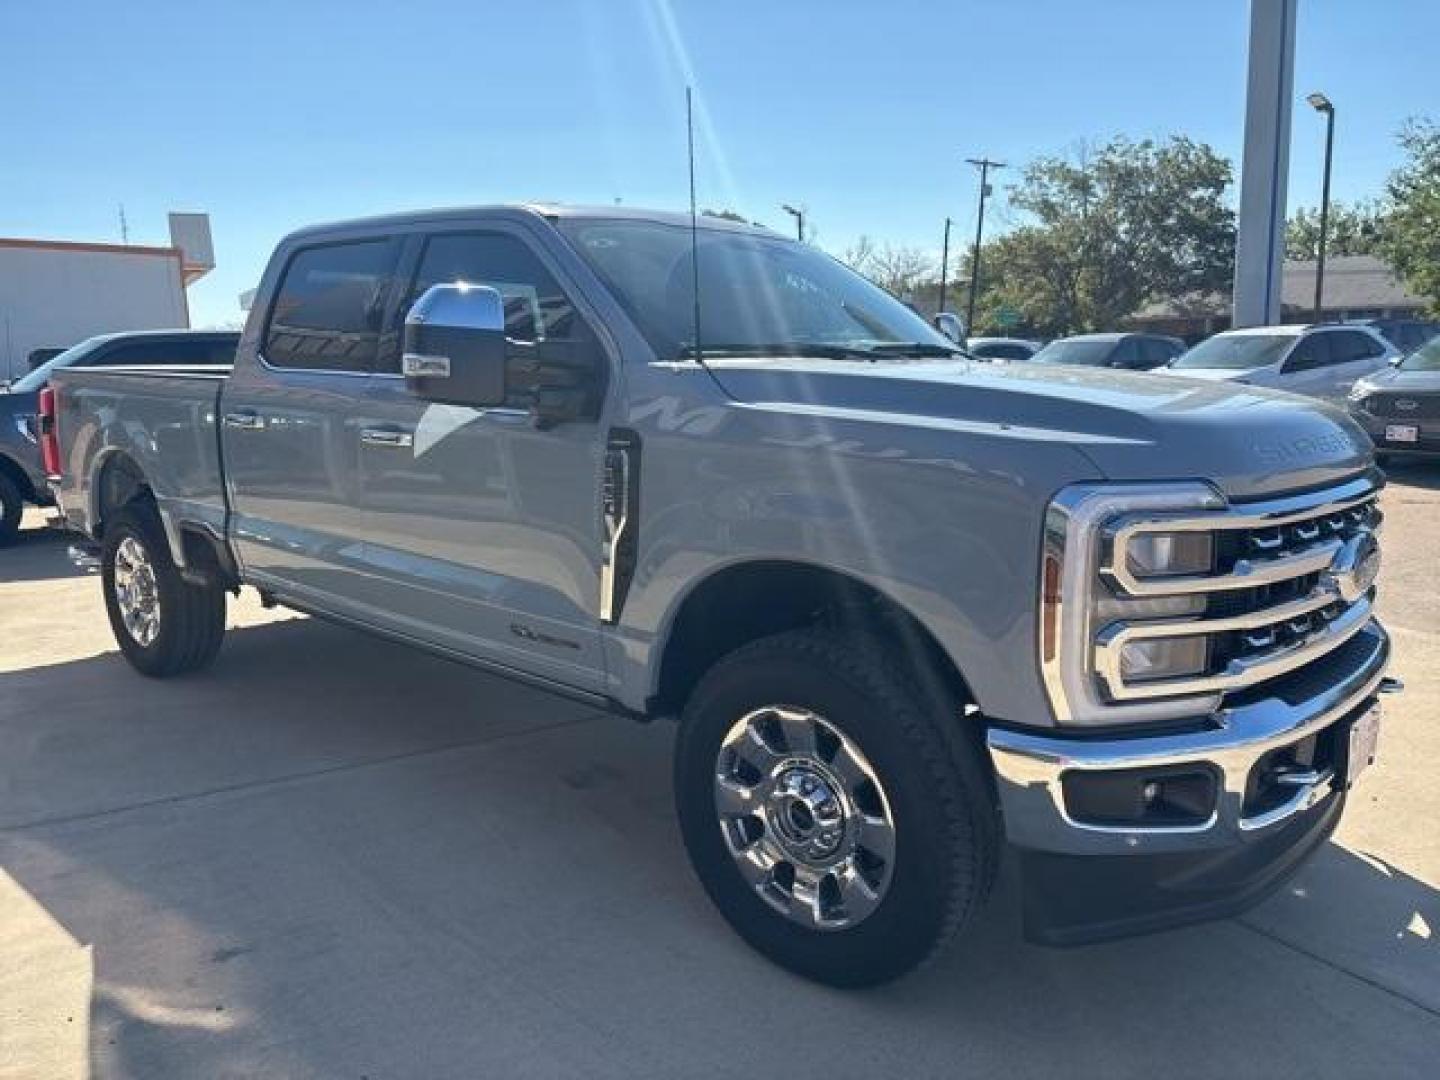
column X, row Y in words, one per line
column 694, row 223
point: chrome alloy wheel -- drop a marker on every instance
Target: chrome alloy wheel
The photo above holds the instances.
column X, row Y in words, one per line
column 804, row 817
column 136, row 592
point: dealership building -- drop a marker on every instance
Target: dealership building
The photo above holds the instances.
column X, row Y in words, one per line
column 56, row 293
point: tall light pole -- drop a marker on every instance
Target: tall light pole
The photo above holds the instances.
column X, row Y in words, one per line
column 944, row 267
column 1320, row 103
column 799, row 216
column 984, row 165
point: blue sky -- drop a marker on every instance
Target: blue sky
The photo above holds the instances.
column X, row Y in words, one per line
column 274, row 115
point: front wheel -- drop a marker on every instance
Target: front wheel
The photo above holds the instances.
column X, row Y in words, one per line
column 833, row 810
column 163, row 624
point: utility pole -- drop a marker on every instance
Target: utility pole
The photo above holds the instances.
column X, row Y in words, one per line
column 799, row 216
column 984, row 165
column 944, row 266
column 124, row 226
column 1322, row 104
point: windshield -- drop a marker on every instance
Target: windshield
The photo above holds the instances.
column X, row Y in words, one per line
column 1425, row 358
column 757, row 294
column 1091, row 353
column 1237, row 352
column 36, row 380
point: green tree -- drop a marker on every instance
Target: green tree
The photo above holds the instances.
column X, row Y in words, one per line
column 1105, row 232
column 1411, row 242
column 1353, row 229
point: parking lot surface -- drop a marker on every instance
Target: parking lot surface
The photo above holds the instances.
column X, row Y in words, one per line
column 330, row 856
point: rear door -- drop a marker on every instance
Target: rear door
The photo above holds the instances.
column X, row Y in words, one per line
column 1305, row 369
column 484, row 528
column 1354, row 354
column 290, row 422
column 1126, row 355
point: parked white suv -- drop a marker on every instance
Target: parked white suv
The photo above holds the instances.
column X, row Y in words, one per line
column 1321, row 360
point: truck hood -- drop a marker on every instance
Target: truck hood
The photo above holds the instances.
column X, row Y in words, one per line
column 1250, row 441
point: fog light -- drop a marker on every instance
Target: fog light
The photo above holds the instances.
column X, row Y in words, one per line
column 1170, row 554
column 1165, row 795
column 1164, row 658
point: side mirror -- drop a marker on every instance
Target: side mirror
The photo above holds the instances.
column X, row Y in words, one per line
column 454, row 346
column 952, row 326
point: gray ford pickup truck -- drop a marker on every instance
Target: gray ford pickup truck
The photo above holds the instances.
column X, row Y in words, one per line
column 911, row 612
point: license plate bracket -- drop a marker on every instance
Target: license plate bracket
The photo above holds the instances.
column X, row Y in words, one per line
column 1360, row 738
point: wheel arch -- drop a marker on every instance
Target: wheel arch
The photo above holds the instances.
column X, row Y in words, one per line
column 118, row 479
column 745, row 600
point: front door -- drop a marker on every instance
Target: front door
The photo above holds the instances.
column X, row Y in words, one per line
column 484, row 529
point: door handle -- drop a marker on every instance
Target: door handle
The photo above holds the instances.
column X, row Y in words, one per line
column 387, row 437
column 245, row 421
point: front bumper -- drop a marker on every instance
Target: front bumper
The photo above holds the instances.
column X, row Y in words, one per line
column 1428, row 433
column 1086, row 880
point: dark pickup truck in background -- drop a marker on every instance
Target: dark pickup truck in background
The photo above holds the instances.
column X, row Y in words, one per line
column 22, row 479
column 908, row 608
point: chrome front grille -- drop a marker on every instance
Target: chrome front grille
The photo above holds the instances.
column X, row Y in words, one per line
column 1401, row 406
column 1289, row 581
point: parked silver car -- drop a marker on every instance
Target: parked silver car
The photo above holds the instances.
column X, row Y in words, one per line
column 1321, row 360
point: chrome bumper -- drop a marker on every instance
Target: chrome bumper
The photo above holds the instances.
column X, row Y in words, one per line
column 1029, row 767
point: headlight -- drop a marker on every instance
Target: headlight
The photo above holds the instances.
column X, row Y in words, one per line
column 1360, row 391
column 1078, row 602
column 1168, row 554
column 1164, row 658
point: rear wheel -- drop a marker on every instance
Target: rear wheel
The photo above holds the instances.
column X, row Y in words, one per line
column 163, row 624
column 12, row 505
column 833, row 809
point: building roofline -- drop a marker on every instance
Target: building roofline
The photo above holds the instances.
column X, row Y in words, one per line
column 80, row 245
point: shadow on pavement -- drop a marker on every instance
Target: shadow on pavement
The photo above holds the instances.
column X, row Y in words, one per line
column 1413, row 472
column 332, row 856
column 38, row 553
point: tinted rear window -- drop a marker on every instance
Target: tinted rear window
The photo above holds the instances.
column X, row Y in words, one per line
column 330, row 306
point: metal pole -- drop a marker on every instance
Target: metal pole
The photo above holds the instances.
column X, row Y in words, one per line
column 1260, row 229
column 799, row 216
column 985, row 165
column 1324, row 212
column 944, row 266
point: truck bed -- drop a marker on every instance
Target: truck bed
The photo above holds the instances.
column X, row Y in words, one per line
column 162, row 420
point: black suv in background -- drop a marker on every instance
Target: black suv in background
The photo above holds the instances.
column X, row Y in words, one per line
column 1132, row 352
column 22, row 480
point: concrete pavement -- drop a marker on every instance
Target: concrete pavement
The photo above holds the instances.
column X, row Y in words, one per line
column 330, row 856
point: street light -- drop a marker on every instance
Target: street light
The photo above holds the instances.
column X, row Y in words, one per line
column 799, row 216
column 984, row 165
column 1320, row 103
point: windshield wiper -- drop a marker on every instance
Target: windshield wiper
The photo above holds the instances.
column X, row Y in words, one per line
column 915, row 348
column 813, row 349
column 825, row 350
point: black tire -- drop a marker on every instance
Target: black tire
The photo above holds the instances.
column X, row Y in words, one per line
column 191, row 616
column 12, row 506
column 946, row 825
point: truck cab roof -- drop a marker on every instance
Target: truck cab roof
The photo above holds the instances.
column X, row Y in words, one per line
column 520, row 211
